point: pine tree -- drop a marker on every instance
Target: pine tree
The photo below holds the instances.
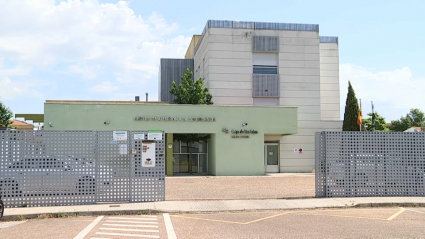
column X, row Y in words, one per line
column 351, row 111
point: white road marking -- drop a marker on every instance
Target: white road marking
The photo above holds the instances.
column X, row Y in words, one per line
column 132, row 222
column 169, row 226
column 415, row 211
column 9, row 224
column 86, row 230
column 125, row 225
column 146, row 216
column 134, row 218
column 126, row 235
column 127, row 229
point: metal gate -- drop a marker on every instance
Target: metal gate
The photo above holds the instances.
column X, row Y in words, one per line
column 42, row 168
column 370, row 164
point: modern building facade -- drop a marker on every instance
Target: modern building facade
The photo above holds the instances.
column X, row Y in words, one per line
column 271, row 64
column 236, row 133
column 171, row 70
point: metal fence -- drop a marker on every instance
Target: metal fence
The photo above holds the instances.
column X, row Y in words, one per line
column 42, row 168
column 363, row 164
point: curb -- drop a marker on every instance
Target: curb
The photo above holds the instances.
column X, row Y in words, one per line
column 76, row 214
column 390, row 204
column 152, row 212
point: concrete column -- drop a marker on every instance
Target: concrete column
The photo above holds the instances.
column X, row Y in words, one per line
column 169, row 154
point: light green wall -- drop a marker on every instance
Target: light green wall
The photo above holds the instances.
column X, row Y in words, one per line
column 228, row 156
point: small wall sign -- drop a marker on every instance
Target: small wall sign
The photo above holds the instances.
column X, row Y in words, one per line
column 119, row 135
column 298, row 151
column 148, row 154
column 139, row 135
column 155, row 135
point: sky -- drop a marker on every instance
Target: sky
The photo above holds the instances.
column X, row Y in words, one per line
column 110, row 50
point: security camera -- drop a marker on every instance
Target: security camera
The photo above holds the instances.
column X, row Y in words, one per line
column 106, row 122
column 244, row 124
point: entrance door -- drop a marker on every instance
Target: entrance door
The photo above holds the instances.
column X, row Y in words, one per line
column 271, row 157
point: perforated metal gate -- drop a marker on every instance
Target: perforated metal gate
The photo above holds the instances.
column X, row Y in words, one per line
column 41, row 168
column 362, row 164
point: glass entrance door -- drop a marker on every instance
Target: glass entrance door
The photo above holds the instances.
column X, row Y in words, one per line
column 271, row 157
column 198, row 158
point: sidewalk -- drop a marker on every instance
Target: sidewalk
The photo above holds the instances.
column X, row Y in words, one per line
column 271, row 186
column 214, row 206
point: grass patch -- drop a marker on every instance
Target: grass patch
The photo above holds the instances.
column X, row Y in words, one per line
column 148, row 212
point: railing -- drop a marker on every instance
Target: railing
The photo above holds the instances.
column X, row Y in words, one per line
column 324, row 39
column 255, row 25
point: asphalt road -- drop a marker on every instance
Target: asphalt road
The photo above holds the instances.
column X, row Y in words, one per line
column 330, row 223
column 338, row 223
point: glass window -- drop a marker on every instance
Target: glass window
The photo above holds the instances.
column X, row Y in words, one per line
column 183, row 147
column 203, row 147
column 265, row 69
column 203, row 163
column 194, row 147
column 176, row 146
column 181, row 163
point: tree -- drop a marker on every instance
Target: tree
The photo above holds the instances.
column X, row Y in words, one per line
column 5, row 116
column 415, row 118
column 191, row 92
column 351, row 111
column 380, row 123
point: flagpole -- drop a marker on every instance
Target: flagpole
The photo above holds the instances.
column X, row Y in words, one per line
column 373, row 117
column 360, row 113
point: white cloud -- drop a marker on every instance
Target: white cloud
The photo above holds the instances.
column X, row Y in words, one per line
column 88, row 72
column 15, row 71
column 397, row 90
column 15, row 89
column 104, row 87
column 85, row 36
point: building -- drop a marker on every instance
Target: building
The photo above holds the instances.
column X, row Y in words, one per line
column 274, row 85
column 414, row 129
column 269, row 64
column 21, row 125
column 237, row 133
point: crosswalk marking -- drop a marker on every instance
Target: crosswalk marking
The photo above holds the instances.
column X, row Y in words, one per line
column 129, row 218
column 127, row 229
column 10, row 224
column 125, row 225
column 132, row 222
column 90, row 227
column 169, row 226
column 145, row 226
column 127, row 235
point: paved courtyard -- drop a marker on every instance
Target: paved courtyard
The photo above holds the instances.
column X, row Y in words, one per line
column 272, row 186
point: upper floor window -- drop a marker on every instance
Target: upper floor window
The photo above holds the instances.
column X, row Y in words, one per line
column 265, row 63
column 265, row 69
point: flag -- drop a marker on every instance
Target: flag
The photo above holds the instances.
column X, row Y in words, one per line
column 359, row 117
column 373, row 117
